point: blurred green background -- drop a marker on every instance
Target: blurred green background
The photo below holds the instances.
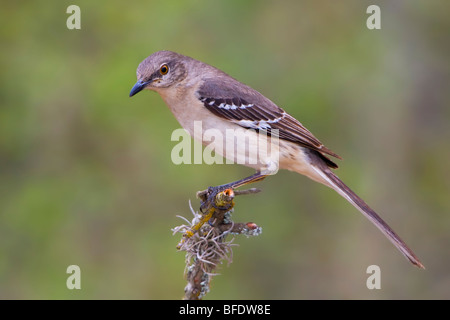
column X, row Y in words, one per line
column 86, row 176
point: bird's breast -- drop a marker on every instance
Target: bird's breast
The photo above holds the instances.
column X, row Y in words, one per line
column 220, row 136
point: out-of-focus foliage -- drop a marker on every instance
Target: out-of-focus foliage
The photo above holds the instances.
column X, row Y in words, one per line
column 86, row 176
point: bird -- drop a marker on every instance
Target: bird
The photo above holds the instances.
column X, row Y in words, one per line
column 198, row 93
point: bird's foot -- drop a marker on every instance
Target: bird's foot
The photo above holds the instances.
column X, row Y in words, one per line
column 218, row 197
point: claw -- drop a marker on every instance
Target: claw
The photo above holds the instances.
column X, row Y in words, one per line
column 219, row 198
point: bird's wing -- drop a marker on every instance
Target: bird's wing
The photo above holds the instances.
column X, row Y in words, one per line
column 250, row 109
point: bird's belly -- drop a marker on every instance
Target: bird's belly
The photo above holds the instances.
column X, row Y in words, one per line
column 225, row 138
column 235, row 143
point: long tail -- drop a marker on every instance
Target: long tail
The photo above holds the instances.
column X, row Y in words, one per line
column 336, row 183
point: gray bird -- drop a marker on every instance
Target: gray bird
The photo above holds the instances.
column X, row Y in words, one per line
column 198, row 93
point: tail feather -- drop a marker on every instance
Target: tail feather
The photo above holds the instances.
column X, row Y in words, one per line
column 334, row 182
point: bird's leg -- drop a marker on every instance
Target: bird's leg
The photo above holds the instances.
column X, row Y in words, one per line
column 209, row 195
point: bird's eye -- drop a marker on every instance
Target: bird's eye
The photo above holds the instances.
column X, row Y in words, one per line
column 164, row 69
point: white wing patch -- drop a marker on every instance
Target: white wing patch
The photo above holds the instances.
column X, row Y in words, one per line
column 259, row 125
column 245, row 114
column 232, row 106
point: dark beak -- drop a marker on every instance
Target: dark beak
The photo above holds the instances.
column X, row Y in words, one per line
column 139, row 86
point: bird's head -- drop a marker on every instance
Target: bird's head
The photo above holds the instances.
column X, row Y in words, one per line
column 163, row 69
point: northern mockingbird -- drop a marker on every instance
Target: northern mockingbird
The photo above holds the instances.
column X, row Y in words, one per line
column 196, row 92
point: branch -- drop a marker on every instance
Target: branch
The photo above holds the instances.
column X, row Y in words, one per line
column 204, row 238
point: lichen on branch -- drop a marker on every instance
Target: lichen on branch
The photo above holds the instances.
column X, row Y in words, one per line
column 205, row 238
